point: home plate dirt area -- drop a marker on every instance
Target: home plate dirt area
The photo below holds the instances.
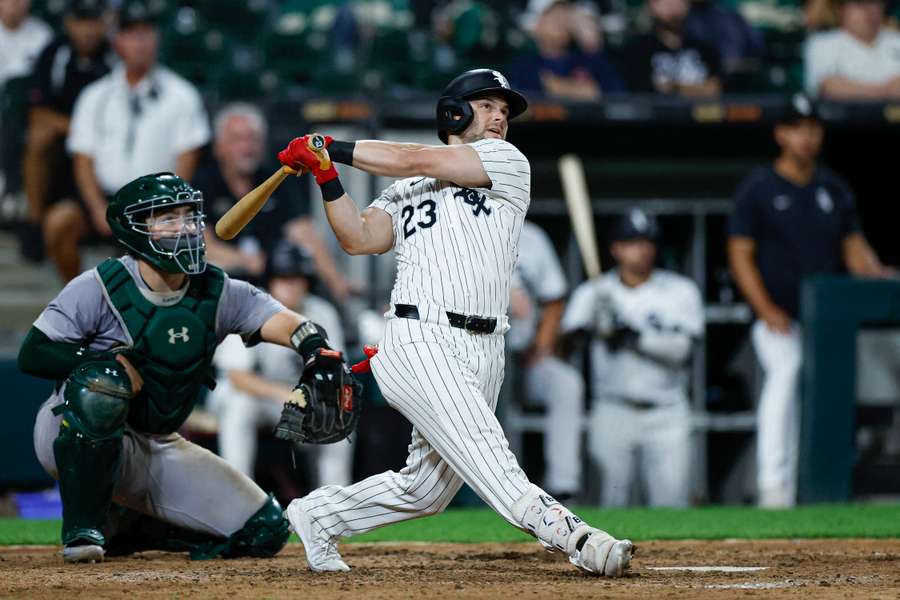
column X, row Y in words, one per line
column 809, row 569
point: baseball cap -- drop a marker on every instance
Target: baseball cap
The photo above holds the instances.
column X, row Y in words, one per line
column 289, row 260
column 133, row 12
column 633, row 225
column 86, row 9
column 798, row 107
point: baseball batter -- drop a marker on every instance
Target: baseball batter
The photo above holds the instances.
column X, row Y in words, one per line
column 642, row 322
column 537, row 302
column 130, row 343
column 454, row 220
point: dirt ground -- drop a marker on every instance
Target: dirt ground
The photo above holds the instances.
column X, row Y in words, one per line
column 810, row 569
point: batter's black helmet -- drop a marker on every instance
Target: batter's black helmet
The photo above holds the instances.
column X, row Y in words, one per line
column 453, row 111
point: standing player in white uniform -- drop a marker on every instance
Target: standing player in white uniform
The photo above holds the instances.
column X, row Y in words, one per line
column 454, row 220
column 537, row 302
column 643, row 321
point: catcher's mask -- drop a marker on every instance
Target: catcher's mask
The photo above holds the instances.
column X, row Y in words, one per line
column 142, row 219
column 453, row 111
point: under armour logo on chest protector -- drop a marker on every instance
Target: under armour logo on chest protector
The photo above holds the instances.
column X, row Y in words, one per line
column 182, row 335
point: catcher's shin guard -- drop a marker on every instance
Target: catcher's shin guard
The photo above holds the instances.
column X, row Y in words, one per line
column 557, row 528
column 89, row 447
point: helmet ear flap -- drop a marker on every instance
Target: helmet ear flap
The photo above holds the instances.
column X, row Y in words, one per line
column 453, row 116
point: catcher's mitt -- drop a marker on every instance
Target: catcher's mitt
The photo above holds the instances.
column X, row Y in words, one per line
column 325, row 405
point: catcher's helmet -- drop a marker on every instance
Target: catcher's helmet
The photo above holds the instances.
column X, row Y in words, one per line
column 453, row 111
column 128, row 213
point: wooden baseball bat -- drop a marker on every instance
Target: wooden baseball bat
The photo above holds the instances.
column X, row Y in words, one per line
column 571, row 173
column 243, row 211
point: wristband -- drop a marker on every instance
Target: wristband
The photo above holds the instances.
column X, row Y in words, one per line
column 332, row 190
column 307, row 338
column 342, row 152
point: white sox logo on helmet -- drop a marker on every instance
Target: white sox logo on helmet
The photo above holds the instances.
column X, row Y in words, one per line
column 501, row 79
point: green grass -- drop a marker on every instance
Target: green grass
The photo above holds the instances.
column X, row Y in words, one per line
column 715, row 522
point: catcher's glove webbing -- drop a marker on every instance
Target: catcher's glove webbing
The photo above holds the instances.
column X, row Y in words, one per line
column 325, row 405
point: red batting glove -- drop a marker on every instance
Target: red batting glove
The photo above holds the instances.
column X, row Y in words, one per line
column 364, row 366
column 298, row 155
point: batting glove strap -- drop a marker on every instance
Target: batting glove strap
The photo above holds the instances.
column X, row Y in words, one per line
column 331, row 188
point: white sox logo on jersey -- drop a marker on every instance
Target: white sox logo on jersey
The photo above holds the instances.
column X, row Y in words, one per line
column 182, row 335
column 474, row 199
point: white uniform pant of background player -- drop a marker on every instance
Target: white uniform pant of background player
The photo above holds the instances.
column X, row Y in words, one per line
column 558, row 387
column 778, row 414
column 445, row 381
column 240, row 418
column 167, row 477
column 654, row 443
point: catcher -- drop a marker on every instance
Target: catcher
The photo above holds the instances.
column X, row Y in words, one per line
column 130, row 345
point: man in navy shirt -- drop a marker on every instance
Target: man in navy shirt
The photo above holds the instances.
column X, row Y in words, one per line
column 64, row 68
column 791, row 220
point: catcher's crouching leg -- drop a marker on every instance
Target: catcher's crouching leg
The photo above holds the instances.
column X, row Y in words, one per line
column 557, row 528
column 263, row 535
column 88, row 453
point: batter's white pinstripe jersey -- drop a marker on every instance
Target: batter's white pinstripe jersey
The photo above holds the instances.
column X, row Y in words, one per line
column 457, row 247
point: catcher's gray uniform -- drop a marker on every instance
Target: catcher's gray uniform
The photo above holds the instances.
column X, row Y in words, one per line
column 640, row 394
column 164, row 476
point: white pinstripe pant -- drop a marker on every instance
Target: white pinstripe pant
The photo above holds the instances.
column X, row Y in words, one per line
column 445, row 381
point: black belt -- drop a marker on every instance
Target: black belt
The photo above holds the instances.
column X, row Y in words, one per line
column 467, row 322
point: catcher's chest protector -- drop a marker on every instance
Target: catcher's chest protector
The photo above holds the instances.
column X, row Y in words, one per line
column 172, row 346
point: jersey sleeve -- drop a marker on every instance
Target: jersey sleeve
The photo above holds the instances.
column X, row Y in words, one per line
column 687, row 310
column 579, row 312
column 508, row 170
column 819, row 61
column 192, row 129
column 244, row 308
column 390, row 200
column 744, row 221
column 847, row 202
column 73, row 315
column 82, row 131
column 541, row 270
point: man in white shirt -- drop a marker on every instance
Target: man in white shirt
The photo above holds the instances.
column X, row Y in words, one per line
column 141, row 118
column 536, row 305
column 254, row 383
column 21, row 39
column 860, row 60
column 642, row 322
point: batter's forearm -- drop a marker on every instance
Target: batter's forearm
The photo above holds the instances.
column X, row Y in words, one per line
column 369, row 232
column 388, row 159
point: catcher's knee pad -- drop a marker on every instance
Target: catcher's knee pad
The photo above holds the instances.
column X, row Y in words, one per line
column 554, row 525
column 96, row 399
column 263, row 535
column 89, row 446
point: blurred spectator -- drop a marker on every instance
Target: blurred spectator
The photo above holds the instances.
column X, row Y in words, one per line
column 791, row 220
column 568, row 61
column 255, row 382
column 238, row 148
column 21, row 39
column 642, row 321
column 740, row 47
column 859, row 60
column 64, row 68
column 537, row 301
column 667, row 60
column 141, row 118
